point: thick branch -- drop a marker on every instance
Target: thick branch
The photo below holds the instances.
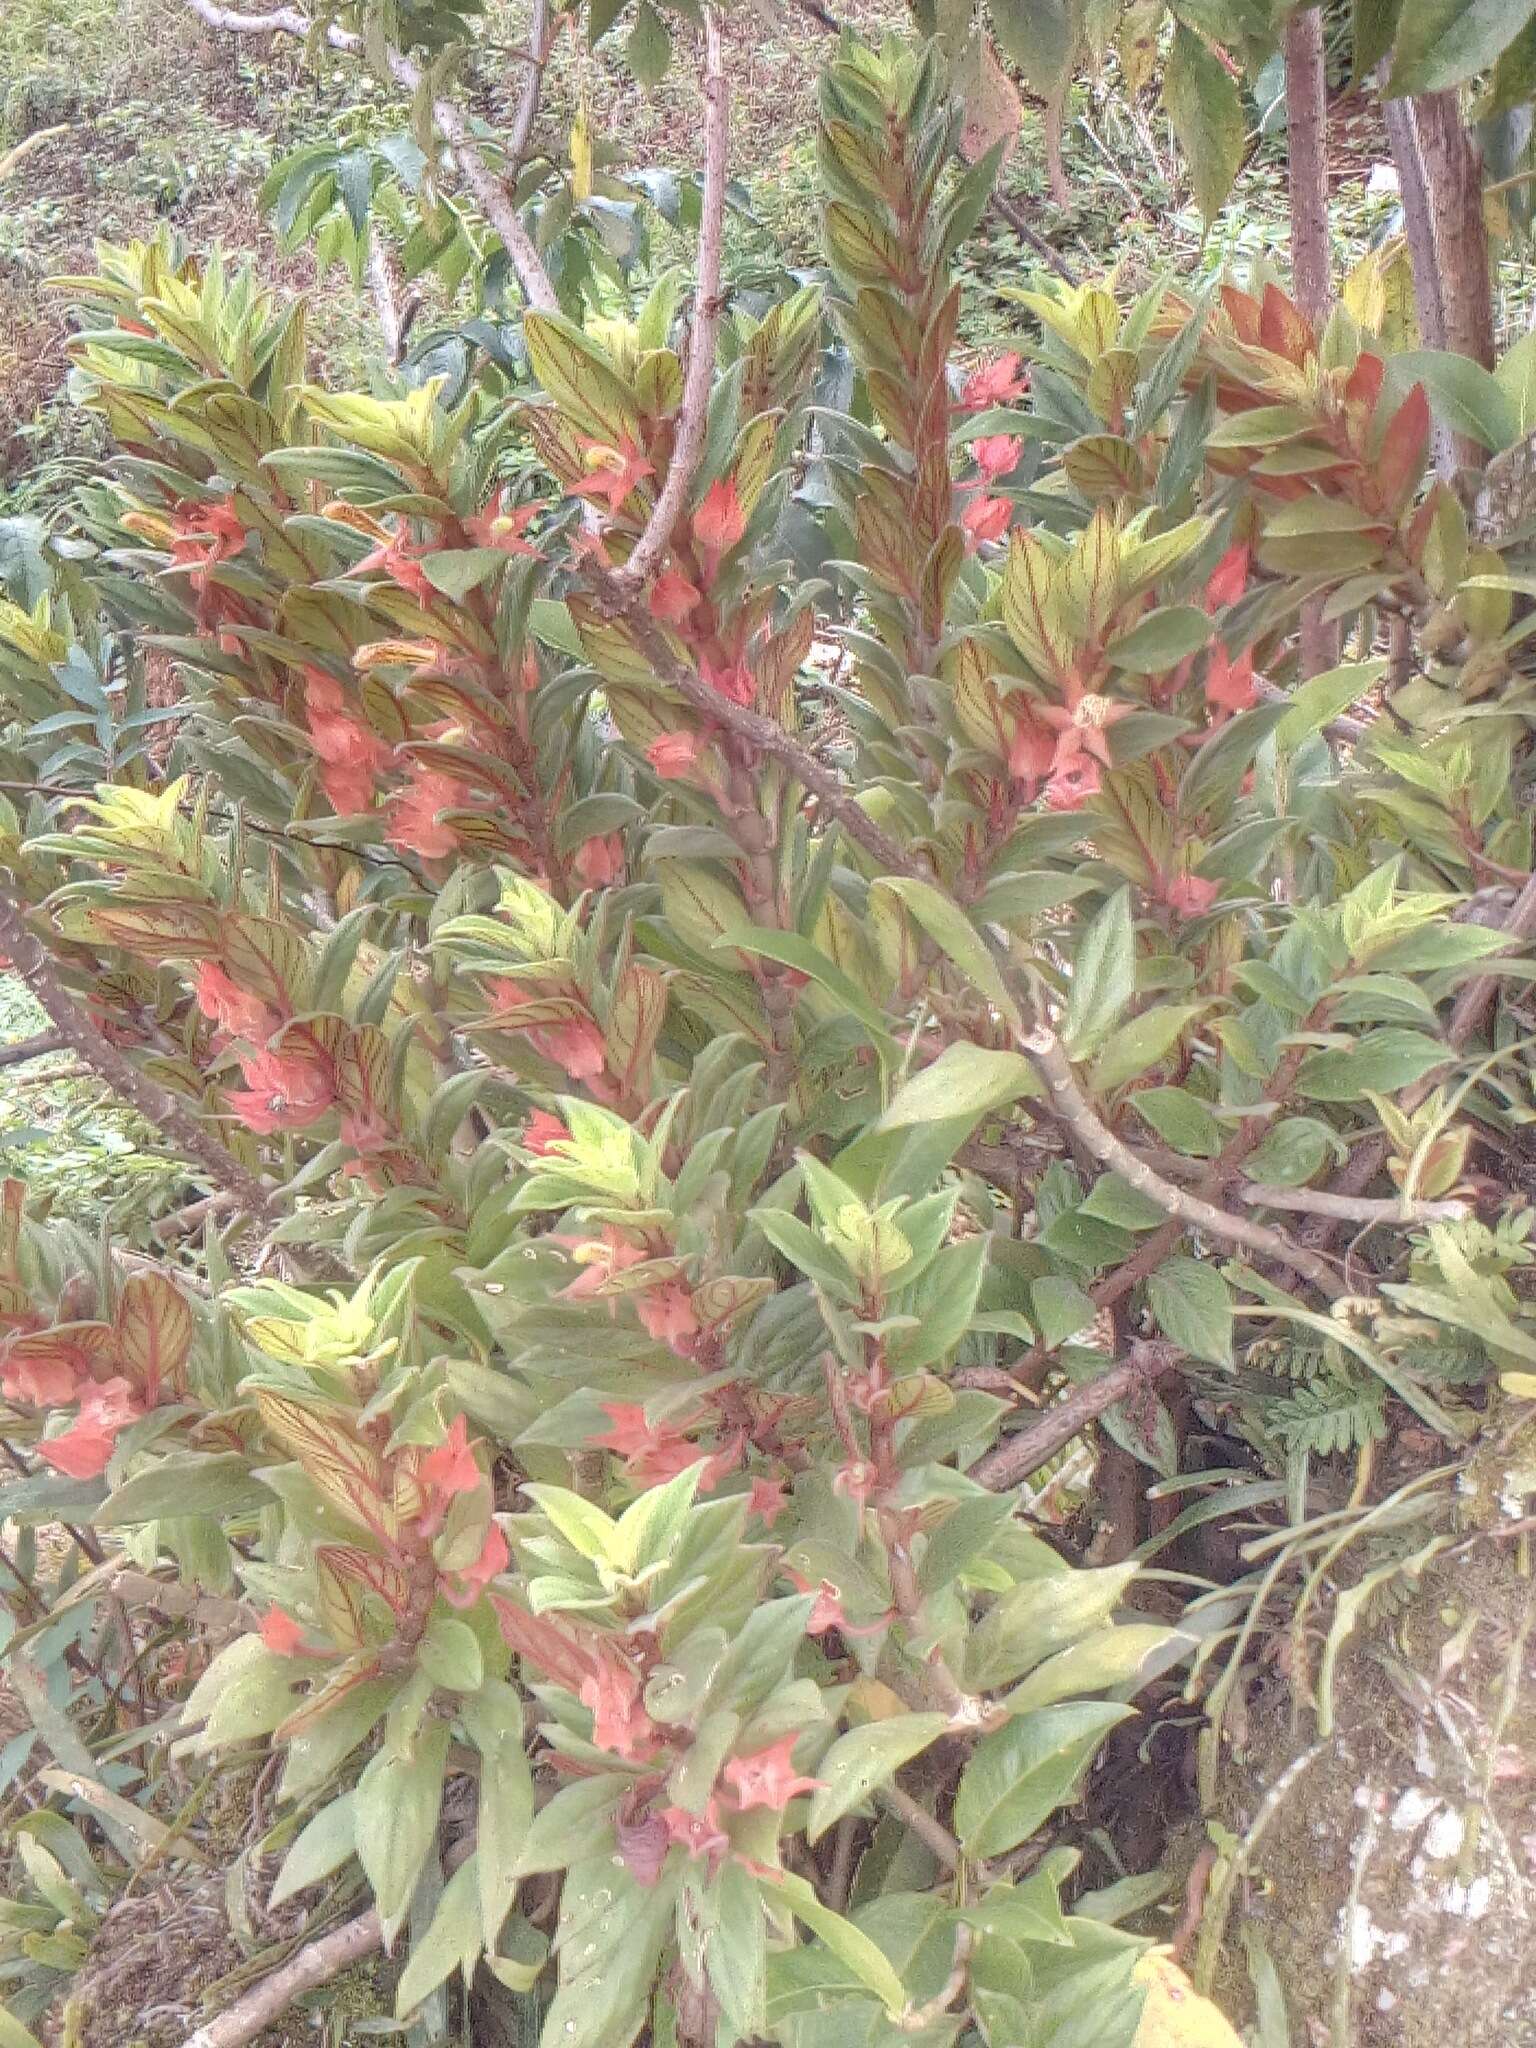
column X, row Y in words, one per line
column 1011, row 1461
column 1306, row 132
column 1050, row 1059
column 1476, row 998
column 693, row 414
column 1009, row 211
column 153, row 1102
column 495, row 201
column 311, row 1967
column 541, row 36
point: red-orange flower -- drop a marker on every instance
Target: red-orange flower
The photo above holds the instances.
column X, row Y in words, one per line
column 997, row 454
column 205, row 534
column 451, row 1468
column 734, row 682
column 614, row 472
column 496, row 527
column 1191, row 895
column 85, row 1448
column 543, row 1132
column 400, row 559
column 767, row 1777
column 286, row 1091
column 612, row 1694
column 463, row 1588
column 351, row 752
column 995, row 383
column 699, row 1833
column 666, row 1312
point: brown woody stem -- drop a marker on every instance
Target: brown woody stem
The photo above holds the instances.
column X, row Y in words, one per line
column 1011, row 1461
column 693, row 414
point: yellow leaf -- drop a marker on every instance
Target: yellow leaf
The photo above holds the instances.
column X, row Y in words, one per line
column 1175, row 2015
column 581, row 151
column 1521, row 1384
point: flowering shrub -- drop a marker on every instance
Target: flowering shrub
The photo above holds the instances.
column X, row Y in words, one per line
column 698, row 1104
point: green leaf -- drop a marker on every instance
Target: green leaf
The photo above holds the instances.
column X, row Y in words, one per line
column 452, row 1942
column 736, row 1948
column 1140, row 1044
column 846, row 1942
column 221, row 1485
column 864, row 1758
column 1040, row 1616
column 323, row 1846
column 951, row 930
column 1375, row 24
column 1192, row 1306
column 1060, row 1309
column 1181, row 1120
column 1020, row 1775
column 1040, row 36
column 1207, row 115
column 1103, row 977
column 1469, row 399
column 1161, row 640
column 494, row 1721
column 648, row 51
column 790, row 950
column 458, row 571
column 1290, row 1152
column 396, row 1811
column 1440, row 43
column 1323, row 697
column 1380, row 1062
column 450, row 1655
column 965, row 1080
column 1111, row 1657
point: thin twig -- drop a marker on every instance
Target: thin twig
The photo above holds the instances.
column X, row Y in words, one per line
column 494, row 199
column 932, row 1833
column 693, row 414
column 31, row 1048
column 1352, row 1209
column 541, row 37
column 1013, row 214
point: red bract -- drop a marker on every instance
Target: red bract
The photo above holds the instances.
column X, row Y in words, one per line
column 286, row 1091
column 767, row 1777
column 985, row 519
column 400, row 559
column 415, row 825
column 1228, row 580
column 666, row 1312
column 995, row 383
column 599, row 861
column 49, row 1381
column 86, row 1447
column 767, row 1497
column 721, row 519
column 675, row 755
column 1229, row 684
column 351, row 753
column 700, row 1834
column 997, row 454
column 600, row 1258
column 206, row 534
column 1190, row 895
column 463, row 1589
column 451, row 1468
column 734, row 682
column 612, row 1695
column 229, row 1007
column 672, row 597
column 281, row 1633
column 543, row 1132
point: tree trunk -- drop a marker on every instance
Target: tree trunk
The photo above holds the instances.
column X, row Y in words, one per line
column 1306, row 113
column 1306, row 116
column 1418, row 222
column 1452, row 169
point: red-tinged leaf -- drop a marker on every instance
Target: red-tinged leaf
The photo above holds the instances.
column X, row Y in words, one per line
column 1404, row 448
column 350, row 1475
column 1242, row 309
column 340, row 1600
column 154, row 1328
column 362, row 1072
column 162, row 931
column 634, row 1024
column 267, row 960
column 1283, row 330
column 552, row 1650
column 1363, row 385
